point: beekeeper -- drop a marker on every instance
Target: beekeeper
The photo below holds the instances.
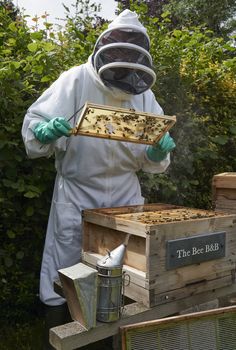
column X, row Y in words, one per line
column 93, row 172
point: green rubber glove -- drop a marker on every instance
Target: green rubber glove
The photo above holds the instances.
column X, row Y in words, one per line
column 47, row 132
column 159, row 151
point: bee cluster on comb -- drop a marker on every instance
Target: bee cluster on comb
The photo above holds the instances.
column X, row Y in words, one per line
column 122, row 124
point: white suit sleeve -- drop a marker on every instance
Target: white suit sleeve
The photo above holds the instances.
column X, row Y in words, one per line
column 57, row 101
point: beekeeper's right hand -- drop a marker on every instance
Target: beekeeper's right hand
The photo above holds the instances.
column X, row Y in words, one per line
column 47, row 132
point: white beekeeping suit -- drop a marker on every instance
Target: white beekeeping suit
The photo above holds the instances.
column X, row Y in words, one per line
column 93, row 172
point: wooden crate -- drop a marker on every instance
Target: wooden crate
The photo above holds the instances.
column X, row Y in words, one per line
column 224, row 192
column 155, row 230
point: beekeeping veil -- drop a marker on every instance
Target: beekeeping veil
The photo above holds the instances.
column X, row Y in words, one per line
column 121, row 56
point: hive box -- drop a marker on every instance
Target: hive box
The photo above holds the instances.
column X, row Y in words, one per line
column 224, row 192
column 172, row 253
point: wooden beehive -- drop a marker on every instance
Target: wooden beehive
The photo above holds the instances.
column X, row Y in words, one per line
column 122, row 124
column 173, row 252
column 224, row 192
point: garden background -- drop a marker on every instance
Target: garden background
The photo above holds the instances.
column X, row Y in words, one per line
column 193, row 49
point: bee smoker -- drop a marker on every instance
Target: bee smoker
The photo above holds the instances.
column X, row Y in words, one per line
column 110, row 281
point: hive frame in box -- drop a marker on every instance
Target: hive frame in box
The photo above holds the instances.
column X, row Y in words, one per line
column 122, row 124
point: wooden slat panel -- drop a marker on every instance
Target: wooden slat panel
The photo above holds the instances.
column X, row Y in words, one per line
column 181, row 293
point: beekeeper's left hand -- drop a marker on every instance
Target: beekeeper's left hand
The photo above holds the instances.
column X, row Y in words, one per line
column 159, row 151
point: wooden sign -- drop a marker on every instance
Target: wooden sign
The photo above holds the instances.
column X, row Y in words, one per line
column 196, row 249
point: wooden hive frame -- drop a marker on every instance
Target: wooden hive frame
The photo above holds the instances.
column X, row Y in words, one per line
column 122, row 124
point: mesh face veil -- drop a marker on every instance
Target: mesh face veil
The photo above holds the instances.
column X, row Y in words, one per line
column 121, row 57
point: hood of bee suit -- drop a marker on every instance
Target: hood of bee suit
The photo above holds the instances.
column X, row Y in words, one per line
column 121, row 57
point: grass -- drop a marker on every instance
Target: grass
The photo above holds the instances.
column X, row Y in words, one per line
column 29, row 336
column 22, row 336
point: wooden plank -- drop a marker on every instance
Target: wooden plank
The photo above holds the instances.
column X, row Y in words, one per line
column 173, row 215
column 70, row 336
column 185, row 317
column 181, row 277
column 210, row 305
column 115, row 223
column 224, row 180
column 228, row 194
column 113, row 211
column 122, row 124
column 231, row 210
column 98, row 239
column 193, row 290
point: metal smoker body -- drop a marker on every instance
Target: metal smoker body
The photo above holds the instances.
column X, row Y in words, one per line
column 110, row 277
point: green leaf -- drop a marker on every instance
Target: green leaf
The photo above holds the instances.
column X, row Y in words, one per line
column 32, row 47
column 232, row 129
column 221, row 139
column 8, row 262
column 20, row 255
column 3, row 143
column 177, row 33
column 12, row 41
column 49, row 46
column 29, row 211
column 165, row 14
column 16, row 64
column 36, row 35
column 31, row 194
column 45, row 79
column 194, row 182
column 12, row 27
column 11, row 234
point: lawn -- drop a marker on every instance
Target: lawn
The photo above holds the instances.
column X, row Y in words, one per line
column 29, row 337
